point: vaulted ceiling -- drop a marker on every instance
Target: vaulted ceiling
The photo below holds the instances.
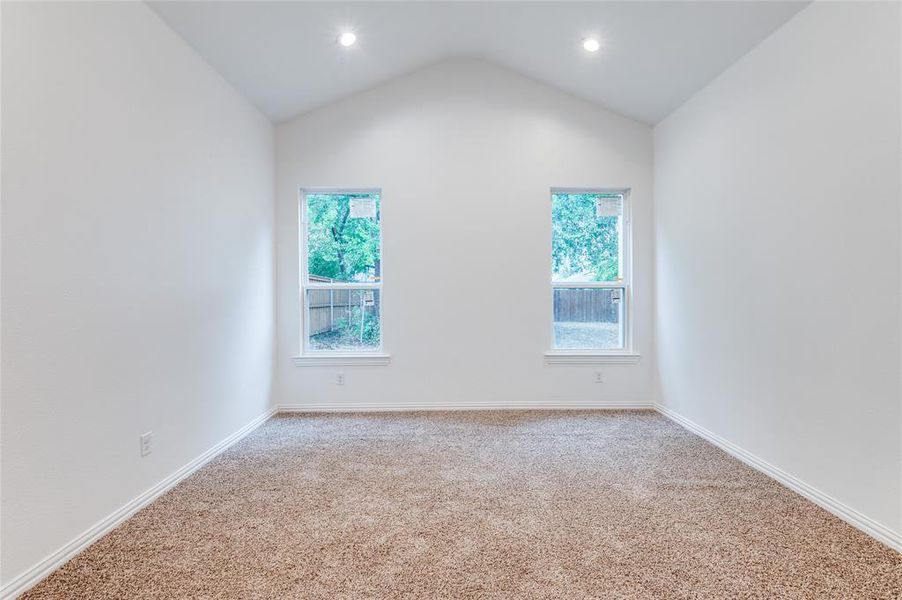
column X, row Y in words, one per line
column 285, row 58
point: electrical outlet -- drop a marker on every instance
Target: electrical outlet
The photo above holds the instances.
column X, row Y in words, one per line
column 339, row 379
column 598, row 377
column 146, row 439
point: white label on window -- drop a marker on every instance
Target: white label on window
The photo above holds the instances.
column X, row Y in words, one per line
column 608, row 206
column 369, row 298
column 363, row 208
column 615, row 296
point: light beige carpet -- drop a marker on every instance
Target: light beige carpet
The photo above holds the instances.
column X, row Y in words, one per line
column 479, row 505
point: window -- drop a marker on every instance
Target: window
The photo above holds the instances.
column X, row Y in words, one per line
column 590, row 271
column 341, row 272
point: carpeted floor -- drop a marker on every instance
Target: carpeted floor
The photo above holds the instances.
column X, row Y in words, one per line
column 479, row 505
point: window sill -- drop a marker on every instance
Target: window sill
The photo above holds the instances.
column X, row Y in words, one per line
column 563, row 357
column 341, row 360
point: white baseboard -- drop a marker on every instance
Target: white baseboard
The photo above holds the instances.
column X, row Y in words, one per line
column 22, row 583
column 849, row 515
column 333, row 407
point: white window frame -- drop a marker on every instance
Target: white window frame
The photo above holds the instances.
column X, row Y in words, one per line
column 307, row 356
column 589, row 356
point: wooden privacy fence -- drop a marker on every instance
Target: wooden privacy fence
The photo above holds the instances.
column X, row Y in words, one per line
column 581, row 305
column 327, row 307
column 585, row 305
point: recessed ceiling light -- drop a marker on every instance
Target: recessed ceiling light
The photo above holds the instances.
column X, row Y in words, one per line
column 347, row 39
column 591, row 45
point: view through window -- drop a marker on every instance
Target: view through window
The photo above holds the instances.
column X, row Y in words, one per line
column 342, row 283
column 589, row 276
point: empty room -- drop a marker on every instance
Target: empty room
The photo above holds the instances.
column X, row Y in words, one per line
column 371, row 300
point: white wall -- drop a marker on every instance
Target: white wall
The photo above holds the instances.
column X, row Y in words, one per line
column 777, row 201
column 136, row 265
column 465, row 154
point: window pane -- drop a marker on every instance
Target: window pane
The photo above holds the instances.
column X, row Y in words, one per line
column 343, row 237
column 343, row 320
column 586, row 237
column 588, row 318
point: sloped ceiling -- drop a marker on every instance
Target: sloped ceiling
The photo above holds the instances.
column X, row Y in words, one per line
column 285, row 58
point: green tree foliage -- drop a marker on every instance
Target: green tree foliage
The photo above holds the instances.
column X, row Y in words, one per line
column 338, row 246
column 582, row 243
